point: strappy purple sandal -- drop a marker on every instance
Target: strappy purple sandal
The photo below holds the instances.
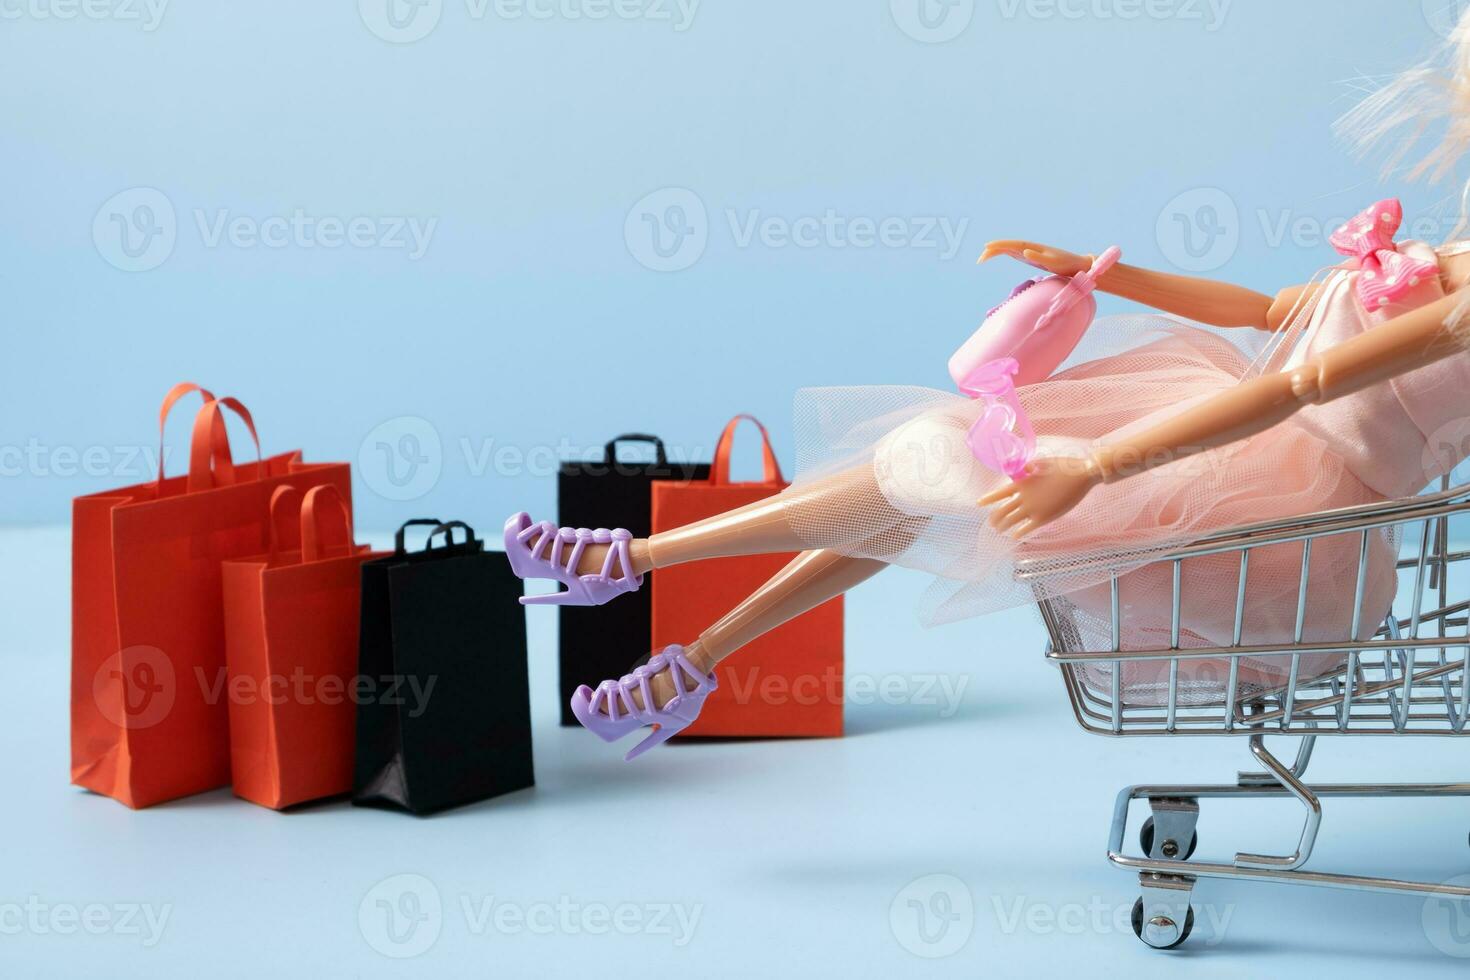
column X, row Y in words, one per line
column 623, row 714
column 556, row 555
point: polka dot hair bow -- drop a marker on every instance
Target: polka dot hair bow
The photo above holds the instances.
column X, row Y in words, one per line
column 1388, row 274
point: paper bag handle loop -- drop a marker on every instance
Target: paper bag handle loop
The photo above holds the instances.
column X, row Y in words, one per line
column 312, row 548
column 296, row 522
column 210, row 462
column 720, row 472
column 285, row 523
column 398, row 548
column 610, row 451
column 171, row 399
column 447, row 529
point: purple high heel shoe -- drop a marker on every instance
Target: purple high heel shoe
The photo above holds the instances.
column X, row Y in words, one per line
column 623, row 714
column 556, row 554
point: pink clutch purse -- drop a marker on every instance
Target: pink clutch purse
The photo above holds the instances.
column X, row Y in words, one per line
column 1039, row 324
column 1021, row 342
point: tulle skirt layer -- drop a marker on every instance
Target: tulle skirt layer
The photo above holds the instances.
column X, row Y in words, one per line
column 909, row 486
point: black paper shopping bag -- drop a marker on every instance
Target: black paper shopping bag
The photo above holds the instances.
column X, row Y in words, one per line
column 444, row 708
column 598, row 642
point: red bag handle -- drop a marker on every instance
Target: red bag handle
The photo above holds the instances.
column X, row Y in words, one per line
column 305, row 531
column 210, row 463
column 285, row 524
column 720, row 472
column 312, row 548
column 171, row 399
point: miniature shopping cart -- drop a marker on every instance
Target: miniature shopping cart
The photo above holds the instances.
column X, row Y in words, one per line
column 1409, row 677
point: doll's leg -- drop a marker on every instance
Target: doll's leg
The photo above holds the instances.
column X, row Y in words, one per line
column 807, row 581
column 845, row 509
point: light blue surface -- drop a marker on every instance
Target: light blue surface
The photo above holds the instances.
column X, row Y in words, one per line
column 530, row 142
column 788, row 858
column 530, row 154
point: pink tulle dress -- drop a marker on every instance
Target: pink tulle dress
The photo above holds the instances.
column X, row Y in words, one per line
column 1130, row 373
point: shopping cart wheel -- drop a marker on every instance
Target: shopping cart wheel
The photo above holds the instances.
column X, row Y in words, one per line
column 1146, row 841
column 1161, row 928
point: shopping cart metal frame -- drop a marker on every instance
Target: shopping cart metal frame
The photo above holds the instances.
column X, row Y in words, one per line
column 1411, row 677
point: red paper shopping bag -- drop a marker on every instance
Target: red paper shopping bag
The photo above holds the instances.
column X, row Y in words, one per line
column 149, row 718
column 291, row 621
column 787, row 682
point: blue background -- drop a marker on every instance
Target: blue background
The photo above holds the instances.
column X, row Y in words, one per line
column 528, row 322
column 533, row 321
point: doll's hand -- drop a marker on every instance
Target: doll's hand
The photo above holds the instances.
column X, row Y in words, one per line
column 1052, row 486
column 1053, row 260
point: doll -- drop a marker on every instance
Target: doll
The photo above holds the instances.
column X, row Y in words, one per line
column 1172, row 431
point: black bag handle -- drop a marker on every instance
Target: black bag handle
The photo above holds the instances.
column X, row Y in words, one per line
column 610, row 451
column 447, row 529
column 433, row 522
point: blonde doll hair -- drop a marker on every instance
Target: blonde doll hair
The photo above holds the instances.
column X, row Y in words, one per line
column 1426, row 106
column 1425, row 113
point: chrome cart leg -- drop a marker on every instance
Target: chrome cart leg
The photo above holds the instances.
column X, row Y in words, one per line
column 1299, row 768
column 1288, row 780
column 1162, row 916
column 1170, row 833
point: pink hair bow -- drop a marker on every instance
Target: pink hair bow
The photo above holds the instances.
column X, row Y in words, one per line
column 1388, row 274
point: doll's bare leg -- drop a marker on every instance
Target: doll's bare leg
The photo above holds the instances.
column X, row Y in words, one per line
column 807, row 581
column 845, row 509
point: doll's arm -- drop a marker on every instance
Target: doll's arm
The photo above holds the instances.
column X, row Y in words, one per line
column 1203, row 300
column 1054, row 486
column 1219, row 304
